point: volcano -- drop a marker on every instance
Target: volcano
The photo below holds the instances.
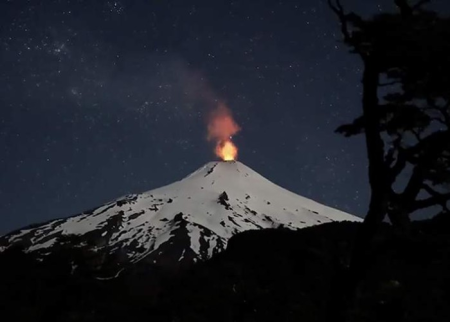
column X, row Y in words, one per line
column 183, row 222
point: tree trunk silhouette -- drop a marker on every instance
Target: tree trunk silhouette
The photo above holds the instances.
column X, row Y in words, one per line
column 344, row 291
column 413, row 121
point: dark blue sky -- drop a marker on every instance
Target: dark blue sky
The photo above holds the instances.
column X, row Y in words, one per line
column 103, row 98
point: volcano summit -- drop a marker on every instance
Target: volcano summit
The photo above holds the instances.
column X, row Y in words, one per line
column 183, row 222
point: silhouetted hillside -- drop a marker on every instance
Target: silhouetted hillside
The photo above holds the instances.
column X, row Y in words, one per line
column 268, row 275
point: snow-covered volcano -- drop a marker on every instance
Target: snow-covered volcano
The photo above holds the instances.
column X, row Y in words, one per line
column 188, row 220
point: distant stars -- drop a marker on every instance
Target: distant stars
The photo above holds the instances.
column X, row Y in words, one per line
column 115, row 7
column 59, row 49
column 88, row 83
column 75, row 92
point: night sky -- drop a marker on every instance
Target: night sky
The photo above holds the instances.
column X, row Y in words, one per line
column 104, row 98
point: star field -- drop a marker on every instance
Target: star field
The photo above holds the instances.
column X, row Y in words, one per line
column 104, row 98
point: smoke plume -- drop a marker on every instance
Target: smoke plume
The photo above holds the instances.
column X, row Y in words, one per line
column 221, row 127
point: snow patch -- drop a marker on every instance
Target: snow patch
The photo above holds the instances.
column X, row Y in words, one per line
column 141, row 224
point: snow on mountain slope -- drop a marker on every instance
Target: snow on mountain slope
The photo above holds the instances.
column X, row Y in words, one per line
column 188, row 220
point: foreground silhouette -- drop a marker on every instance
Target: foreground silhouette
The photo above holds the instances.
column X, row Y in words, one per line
column 268, row 275
column 405, row 120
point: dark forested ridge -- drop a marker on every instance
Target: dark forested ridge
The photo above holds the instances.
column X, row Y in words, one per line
column 263, row 275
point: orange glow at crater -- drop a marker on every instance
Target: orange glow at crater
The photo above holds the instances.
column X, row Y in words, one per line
column 221, row 126
column 226, row 150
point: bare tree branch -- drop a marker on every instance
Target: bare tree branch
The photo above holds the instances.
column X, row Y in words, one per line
column 339, row 11
column 436, row 198
column 443, row 110
column 439, row 120
column 416, row 134
column 398, row 167
column 406, row 10
column 428, row 149
column 431, row 142
column 432, row 201
column 390, row 83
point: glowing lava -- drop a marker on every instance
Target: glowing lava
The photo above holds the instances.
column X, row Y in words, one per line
column 227, row 151
column 221, row 126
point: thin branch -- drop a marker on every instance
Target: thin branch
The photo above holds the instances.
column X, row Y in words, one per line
column 389, row 83
column 340, row 13
column 430, row 202
column 428, row 150
column 406, row 10
column 441, row 109
column 429, row 144
column 439, row 120
column 395, row 147
column 447, row 105
column 414, row 185
column 390, row 156
column 398, row 167
column 416, row 135
column 435, row 199
column 345, row 20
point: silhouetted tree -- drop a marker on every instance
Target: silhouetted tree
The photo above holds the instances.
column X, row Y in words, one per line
column 406, row 116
